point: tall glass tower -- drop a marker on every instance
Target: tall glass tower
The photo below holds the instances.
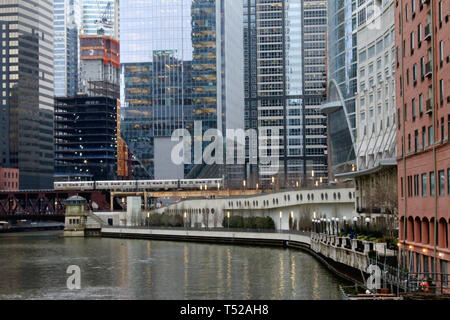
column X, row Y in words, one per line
column 67, row 26
column 26, row 77
column 285, row 78
column 344, row 18
column 181, row 62
column 99, row 15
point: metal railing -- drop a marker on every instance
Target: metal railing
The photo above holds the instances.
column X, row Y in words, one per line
column 413, row 282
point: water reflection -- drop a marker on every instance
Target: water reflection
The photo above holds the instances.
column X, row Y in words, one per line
column 35, row 268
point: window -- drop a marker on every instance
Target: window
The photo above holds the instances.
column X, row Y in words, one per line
column 424, row 139
column 448, row 181
column 416, row 140
column 430, row 135
column 424, row 185
column 422, row 68
column 432, row 184
column 413, row 109
column 419, row 34
column 420, row 105
column 441, row 91
column 441, row 176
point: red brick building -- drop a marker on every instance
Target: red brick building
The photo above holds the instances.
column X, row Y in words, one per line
column 423, row 124
column 9, row 179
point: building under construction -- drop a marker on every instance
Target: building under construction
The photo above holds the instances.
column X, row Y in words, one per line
column 85, row 138
column 87, row 125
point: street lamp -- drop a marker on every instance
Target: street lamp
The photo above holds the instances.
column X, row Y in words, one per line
column 322, row 225
column 345, row 224
column 332, row 225
column 329, row 225
column 367, row 223
column 257, row 186
column 228, row 219
column 337, row 226
column 244, row 183
column 355, row 219
column 273, row 184
column 185, row 216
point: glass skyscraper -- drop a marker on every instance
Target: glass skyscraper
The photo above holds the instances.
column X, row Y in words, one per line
column 26, row 76
column 94, row 11
column 181, row 62
column 344, row 18
column 285, row 77
column 67, row 26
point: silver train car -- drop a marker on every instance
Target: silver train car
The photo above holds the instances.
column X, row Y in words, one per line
column 148, row 185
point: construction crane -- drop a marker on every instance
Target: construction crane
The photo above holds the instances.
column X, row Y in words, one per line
column 106, row 20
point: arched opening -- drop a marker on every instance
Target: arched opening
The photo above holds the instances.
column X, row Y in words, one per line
column 433, row 235
column 401, row 228
column 425, row 231
column 410, row 228
column 418, row 230
column 443, row 233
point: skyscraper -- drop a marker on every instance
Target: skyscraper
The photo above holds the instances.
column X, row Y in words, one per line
column 99, row 18
column 181, row 62
column 285, row 77
column 67, row 26
column 26, row 117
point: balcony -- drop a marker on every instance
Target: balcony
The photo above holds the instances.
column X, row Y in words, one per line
column 429, row 106
column 428, row 32
column 429, row 69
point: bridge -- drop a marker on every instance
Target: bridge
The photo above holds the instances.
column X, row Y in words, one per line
column 49, row 204
column 45, row 204
column 209, row 194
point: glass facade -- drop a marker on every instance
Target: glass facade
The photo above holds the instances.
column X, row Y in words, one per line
column 285, row 76
column 93, row 12
column 26, row 76
column 67, row 26
column 177, row 68
column 343, row 19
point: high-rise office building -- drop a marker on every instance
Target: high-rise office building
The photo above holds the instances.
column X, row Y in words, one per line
column 67, row 26
column 422, row 31
column 285, row 80
column 375, row 173
column 100, row 18
column 26, row 117
column 181, row 62
column 344, row 18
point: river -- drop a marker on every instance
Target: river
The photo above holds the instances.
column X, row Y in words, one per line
column 34, row 267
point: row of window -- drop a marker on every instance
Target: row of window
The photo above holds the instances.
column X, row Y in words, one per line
column 424, row 185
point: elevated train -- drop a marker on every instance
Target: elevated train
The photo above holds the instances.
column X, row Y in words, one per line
column 144, row 185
